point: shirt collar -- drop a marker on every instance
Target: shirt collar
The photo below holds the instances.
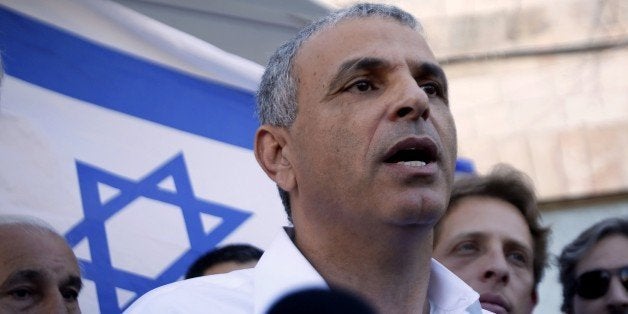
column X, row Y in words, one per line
column 281, row 270
column 449, row 294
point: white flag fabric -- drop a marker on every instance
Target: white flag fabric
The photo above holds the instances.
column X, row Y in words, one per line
column 131, row 138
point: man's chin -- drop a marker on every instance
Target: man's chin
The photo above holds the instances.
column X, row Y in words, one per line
column 416, row 217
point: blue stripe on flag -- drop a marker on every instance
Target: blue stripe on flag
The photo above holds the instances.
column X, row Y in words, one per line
column 57, row 60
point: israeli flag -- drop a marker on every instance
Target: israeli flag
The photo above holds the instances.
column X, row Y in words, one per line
column 131, row 138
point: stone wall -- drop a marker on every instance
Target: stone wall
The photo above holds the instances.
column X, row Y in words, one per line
column 563, row 119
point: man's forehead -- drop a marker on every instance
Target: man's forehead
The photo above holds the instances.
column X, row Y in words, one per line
column 606, row 253
column 34, row 245
column 340, row 45
column 354, row 32
column 468, row 216
column 19, row 234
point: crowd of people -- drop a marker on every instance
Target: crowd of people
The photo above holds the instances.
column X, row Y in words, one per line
column 357, row 133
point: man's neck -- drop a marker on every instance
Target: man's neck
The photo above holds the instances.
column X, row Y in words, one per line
column 389, row 267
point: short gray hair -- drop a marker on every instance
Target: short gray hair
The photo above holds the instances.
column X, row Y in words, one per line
column 277, row 93
column 29, row 222
column 276, row 96
column 574, row 251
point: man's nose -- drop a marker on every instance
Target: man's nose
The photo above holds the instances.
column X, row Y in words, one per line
column 411, row 101
column 496, row 267
column 617, row 297
column 54, row 303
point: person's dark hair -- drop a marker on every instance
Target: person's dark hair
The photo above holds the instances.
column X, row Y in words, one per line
column 575, row 251
column 277, row 93
column 240, row 253
column 513, row 186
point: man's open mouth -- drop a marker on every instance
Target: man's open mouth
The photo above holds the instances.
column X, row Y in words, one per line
column 413, row 152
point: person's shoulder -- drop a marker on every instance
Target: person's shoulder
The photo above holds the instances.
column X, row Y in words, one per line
column 223, row 293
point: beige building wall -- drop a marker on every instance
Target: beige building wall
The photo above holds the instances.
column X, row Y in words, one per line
column 563, row 119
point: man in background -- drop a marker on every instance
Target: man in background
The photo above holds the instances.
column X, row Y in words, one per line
column 594, row 269
column 225, row 259
column 358, row 135
column 492, row 238
column 38, row 271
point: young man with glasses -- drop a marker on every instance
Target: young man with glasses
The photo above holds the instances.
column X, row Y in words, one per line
column 594, row 269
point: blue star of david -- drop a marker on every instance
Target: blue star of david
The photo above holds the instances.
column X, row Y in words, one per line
column 96, row 213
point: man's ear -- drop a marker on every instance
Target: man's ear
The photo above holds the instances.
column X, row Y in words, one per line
column 535, row 297
column 272, row 152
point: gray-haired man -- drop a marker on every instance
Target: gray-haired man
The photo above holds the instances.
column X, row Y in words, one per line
column 38, row 271
column 357, row 133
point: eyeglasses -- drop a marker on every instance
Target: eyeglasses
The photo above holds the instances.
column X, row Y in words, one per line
column 594, row 284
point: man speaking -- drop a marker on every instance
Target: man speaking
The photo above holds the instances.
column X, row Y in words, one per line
column 359, row 137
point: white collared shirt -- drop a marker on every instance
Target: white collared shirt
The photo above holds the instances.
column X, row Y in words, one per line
column 281, row 270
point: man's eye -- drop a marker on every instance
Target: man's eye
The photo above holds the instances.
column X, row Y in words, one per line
column 21, row 293
column 361, row 86
column 518, row 258
column 431, row 89
column 70, row 295
column 466, row 248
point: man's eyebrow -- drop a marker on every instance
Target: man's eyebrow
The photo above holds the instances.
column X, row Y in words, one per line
column 365, row 64
column 469, row 235
column 518, row 244
column 73, row 281
column 430, row 69
column 26, row 275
